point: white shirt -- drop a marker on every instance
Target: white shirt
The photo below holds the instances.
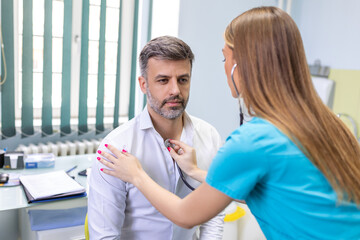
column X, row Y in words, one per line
column 118, row 210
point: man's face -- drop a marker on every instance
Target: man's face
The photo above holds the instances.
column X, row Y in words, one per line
column 167, row 86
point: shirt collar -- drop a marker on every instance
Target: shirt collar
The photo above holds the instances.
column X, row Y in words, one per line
column 188, row 129
column 145, row 120
column 187, row 134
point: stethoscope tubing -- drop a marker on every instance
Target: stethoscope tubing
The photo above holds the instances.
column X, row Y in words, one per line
column 183, row 178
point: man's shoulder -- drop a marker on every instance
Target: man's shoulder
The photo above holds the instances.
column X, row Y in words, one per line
column 205, row 130
column 201, row 124
column 126, row 129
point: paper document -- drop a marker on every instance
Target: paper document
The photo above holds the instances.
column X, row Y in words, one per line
column 51, row 185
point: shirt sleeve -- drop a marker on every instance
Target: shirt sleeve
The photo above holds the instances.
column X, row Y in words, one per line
column 214, row 228
column 239, row 165
column 106, row 203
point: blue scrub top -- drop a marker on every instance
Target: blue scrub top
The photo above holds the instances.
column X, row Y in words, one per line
column 288, row 195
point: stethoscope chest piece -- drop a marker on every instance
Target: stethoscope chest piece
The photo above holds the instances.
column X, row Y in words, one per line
column 169, row 144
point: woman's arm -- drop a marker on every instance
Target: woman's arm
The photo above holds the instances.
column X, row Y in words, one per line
column 198, row 207
column 185, row 157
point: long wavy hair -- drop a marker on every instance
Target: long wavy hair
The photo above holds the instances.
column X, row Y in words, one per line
column 276, row 85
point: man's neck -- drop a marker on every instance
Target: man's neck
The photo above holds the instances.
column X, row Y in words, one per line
column 167, row 128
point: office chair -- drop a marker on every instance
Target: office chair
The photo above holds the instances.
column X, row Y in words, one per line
column 86, row 228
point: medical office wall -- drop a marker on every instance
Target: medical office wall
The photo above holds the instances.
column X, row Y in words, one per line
column 330, row 34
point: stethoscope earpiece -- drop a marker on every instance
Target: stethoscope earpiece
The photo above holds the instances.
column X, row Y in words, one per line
column 232, row 79
column 238, row 95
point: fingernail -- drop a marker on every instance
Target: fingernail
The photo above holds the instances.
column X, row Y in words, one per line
column 124, row 150
column 169, row 149
column 101, row 169
column 106, row 145
column 99, row 152
column 98, row 158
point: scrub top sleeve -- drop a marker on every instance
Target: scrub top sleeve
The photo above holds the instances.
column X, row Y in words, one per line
column 238, row 166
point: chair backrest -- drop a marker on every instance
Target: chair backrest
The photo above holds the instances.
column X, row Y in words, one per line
column 86, row 228
column 325, row 88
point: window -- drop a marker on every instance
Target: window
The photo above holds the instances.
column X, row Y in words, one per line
column 38, row 50
column 165, row 18
column 111, row 44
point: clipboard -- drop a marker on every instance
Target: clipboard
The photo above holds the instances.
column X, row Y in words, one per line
column 31, row 199
column 51, row 186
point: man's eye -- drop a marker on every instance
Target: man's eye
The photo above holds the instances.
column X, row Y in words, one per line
column 163, row 80
column 224, row 60
column 183, row 80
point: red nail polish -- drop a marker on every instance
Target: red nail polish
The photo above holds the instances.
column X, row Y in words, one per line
column 99, row 152
column 101, row 169
column 169, row 149
column 106, row 145
column 124, row 150
column 98, row 158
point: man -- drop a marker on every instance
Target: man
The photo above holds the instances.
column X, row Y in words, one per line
column 116, row 209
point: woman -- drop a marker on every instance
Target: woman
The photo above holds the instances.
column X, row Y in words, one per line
column 295, row 163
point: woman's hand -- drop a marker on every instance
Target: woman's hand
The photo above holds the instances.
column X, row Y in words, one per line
column 185, row 157
column 123, row 165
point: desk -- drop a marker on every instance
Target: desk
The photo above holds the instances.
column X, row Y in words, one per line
column 13, row 202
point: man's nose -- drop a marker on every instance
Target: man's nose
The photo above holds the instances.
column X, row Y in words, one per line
column 174, row 87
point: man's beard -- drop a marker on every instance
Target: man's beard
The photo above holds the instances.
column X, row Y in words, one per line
column 173, row 112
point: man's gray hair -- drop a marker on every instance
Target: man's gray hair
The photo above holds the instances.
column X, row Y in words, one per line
column 164, row 48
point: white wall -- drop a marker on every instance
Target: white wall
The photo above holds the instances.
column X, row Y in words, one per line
column 330, row 31
column 202, row 24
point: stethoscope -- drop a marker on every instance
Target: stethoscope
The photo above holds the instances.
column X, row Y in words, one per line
column 238, row 94
column 169, row 144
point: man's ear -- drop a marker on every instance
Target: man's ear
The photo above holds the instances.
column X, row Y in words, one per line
column 142, row 84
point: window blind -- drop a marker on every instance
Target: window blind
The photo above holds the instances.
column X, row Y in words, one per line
column 46, row 116
column 101, row 71
column 118, row 68
column 133, row 61
column 27, row 127
column 65, row 127
column 28, row 81
column 83, row 114
column 149, row 31
column 8, row 88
